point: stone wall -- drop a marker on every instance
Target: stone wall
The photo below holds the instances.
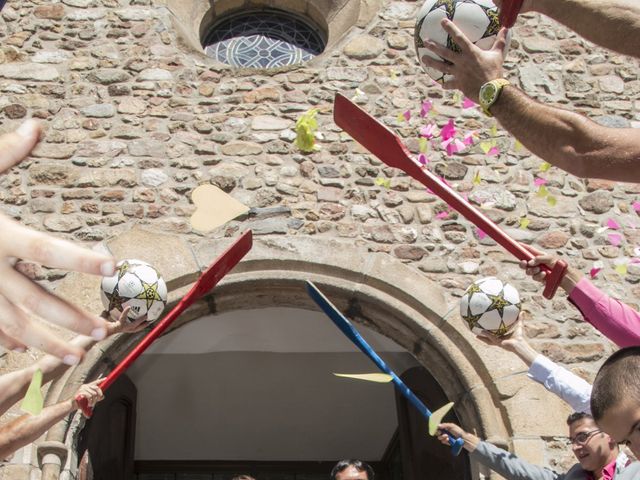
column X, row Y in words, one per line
column 134, row 123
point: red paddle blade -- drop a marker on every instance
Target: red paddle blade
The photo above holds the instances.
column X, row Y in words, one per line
column 373, row 135
column 218, row 269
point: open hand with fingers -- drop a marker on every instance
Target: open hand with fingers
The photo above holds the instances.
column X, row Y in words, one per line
column 121, row 324
column 19, row 296
column 470, row 68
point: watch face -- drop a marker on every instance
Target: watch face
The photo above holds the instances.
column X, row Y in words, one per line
column 488, row 92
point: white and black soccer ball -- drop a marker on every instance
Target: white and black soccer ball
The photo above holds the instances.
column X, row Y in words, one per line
column 137, row 285
column 478, row 20
column 492, row 305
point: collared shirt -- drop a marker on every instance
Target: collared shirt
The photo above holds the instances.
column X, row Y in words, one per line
column 616, row 320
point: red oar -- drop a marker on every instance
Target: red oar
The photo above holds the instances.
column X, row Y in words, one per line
column 209, row 279
column 387, row 146
column 509, row 12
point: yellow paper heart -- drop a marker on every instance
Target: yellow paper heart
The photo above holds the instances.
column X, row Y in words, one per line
column 214, row 208
column 436, row 417
column 367, row 377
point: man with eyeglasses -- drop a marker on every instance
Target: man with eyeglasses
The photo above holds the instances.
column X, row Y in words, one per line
column 599, row 457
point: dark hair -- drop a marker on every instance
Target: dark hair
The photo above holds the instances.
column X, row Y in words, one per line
column 357, row 464
column 575, row 416
column 243, row 477
column 617, row 379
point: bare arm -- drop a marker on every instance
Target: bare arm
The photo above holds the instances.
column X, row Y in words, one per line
column 568, row 140
column 614, row 24
column 27, row 428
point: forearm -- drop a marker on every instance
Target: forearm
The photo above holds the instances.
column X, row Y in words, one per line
column 24, row 430
column 523, row 350
column 614, row 24
column 568, row 140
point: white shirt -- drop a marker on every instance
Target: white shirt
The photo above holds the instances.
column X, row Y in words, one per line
column 568, row 386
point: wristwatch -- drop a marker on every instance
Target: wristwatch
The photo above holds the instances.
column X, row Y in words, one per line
column 490, row 92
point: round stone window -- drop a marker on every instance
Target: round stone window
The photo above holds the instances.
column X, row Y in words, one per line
column 263, row 39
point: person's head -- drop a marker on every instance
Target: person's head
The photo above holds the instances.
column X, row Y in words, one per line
column 243, row 477
column 352, row 470
column 615, row 398
column 593, row 448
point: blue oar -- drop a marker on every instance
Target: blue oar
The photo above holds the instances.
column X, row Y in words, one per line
column 352, row 334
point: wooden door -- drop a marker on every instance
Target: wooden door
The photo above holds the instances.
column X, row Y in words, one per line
column 107, row 443
column 423, row 457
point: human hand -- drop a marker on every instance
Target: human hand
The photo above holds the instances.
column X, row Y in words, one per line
column 511, row 343
column 445, row 430
column 472, row 67
column 19, row 295
column 91, row 392
column 121, row 324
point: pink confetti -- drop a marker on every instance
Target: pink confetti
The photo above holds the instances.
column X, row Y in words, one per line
column 612, row 224
column 468, row 103
column 480, row 234
column 635, row 260
column 426, row 108
column 465, row 195
column 453, row 145
column 407, row 115
column 448, row 131
column 615, row 239
column 494, row 152
column 469, row 138
column 422, row 159
column 444, row 180
column 593, row 273
column 428, row 131
column 636, row 206
column 539, row 181
column 442, row 215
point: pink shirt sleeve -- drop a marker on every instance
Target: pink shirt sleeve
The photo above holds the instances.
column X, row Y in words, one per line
column 617, row 321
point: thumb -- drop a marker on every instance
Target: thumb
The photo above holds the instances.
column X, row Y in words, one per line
column 500, row 43
column 16, row 146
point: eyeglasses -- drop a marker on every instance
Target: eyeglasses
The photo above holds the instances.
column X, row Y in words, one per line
column 583, row 437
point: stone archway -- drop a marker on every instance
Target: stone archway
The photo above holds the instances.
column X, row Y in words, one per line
column 492, row 396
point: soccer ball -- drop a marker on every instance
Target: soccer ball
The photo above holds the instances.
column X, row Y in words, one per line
column 489, row 304
column 137, row 285
column 478, row 20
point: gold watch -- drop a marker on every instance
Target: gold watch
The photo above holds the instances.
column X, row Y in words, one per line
column 490, row 92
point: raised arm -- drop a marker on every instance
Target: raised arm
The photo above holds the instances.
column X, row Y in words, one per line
column 27, row 428
column 613, row 24
column 558, row 380
column 571, row 142
column 613, row 318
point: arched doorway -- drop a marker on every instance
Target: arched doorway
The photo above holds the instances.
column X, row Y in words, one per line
column 373, row 289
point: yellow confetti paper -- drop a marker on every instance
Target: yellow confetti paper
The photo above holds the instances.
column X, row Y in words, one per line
column 518, row 146
column 487, row 145
column 367, row 377
column 437, row 416
column 494, row 131
column 551, row 200
column 423, row 145
column 545, row 166
column 394, row 75
column 383, row 182
column 621, row 269
column 524, row 223
column 306, row 127
column 542, row 191
column 457, row 97
column 33, row 400
column 400, row 118
column 476, row 178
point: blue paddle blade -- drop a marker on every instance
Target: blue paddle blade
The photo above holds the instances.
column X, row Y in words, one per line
column 352, row 334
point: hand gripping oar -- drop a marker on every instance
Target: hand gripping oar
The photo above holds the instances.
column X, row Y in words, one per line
column 209, row 279
column 386, row 145
column 509, row 12
column 352, row 334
